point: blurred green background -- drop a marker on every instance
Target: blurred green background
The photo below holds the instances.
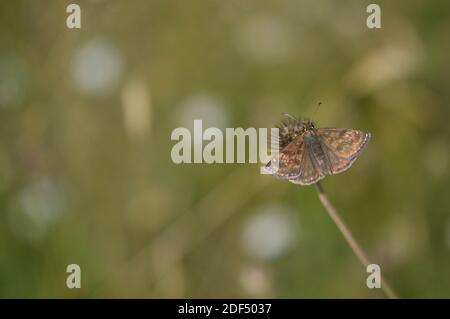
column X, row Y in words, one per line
column 86, row 175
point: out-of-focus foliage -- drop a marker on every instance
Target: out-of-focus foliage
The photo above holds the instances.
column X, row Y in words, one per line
column 86, row 175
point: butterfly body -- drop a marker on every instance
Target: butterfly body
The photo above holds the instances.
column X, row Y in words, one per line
column 314, row 147
column 308, row 153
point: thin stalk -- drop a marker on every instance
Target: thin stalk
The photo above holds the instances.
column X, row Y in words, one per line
column 362, row 257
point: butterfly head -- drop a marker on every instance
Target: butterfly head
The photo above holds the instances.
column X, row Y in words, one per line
column 307, row 124
column 292, row 127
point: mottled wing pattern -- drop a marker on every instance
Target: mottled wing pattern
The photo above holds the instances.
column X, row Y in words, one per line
column 309, row 173
column 342, row 146
column 313, row 154
column 337, row 164
column 289, row 160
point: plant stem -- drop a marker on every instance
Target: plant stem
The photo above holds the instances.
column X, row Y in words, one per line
column 350, row 239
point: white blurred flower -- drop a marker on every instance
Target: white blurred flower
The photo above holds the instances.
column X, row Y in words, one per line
column 205, row 107
column 97, row 67
column 266, row 39
column 38, row 206
column 270, row 232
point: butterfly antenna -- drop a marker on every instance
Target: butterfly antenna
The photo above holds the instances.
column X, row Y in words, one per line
column 317, row 108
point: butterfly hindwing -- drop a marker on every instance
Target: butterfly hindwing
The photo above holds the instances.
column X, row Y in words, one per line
column 337, row 164
column 309, row 172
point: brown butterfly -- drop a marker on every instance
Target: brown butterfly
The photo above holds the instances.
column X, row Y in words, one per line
column 307, row 153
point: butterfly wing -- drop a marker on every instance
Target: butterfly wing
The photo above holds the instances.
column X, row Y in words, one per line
column 295, row 164
column 309, row 172
column 289, row 160
column 342, row 146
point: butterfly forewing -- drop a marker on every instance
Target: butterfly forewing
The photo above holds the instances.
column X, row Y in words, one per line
column 289, row 160
column 344, row 143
